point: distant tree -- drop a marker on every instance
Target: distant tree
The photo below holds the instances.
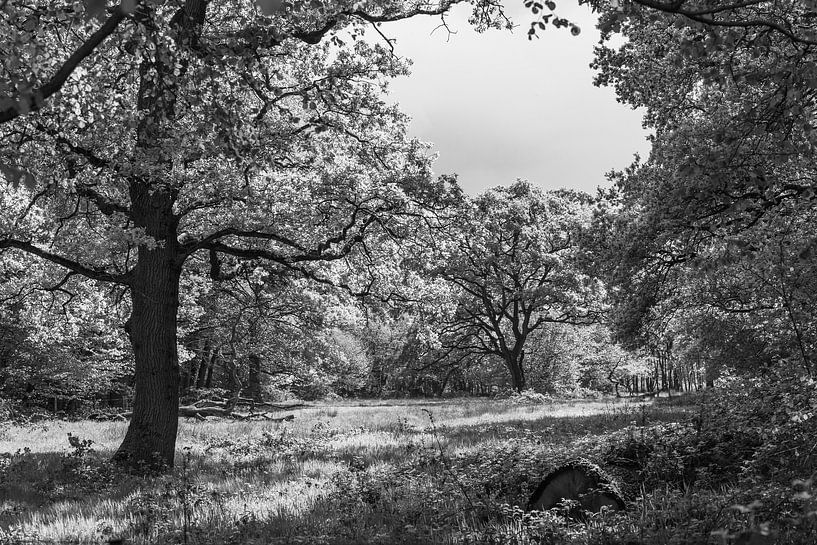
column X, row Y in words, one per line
column 59, row 348
column 564, row 358
column 512, row 258
column 242, row 321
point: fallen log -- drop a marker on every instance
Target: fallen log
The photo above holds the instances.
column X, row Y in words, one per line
column 270, row 405
column 265, row 416
column 189, row 411
column 208, row 403
column 192, row 411
column 204, row 403
column 581, row 482
column 201, row 412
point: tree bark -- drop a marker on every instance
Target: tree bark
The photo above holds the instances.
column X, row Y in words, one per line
column 254, row 377
column 514, row 363
column 151, row 436
column 204, row 365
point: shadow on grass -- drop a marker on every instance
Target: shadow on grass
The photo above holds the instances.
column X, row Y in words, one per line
column 313, row 485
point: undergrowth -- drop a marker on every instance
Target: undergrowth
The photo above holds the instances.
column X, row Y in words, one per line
column 735, row 468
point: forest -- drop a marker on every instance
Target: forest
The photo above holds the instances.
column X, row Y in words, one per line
column 239, row 305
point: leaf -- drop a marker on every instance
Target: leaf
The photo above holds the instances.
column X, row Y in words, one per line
column 269, row 7
column 128, row 6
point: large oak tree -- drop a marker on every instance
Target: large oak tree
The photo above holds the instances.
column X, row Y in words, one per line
column 170, row 128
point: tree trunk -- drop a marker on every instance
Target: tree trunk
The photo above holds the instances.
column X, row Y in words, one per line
column 189, row 378
column 254, row 377
column 151, row 436
column 445, row 382
column 214, row 359
column 514, row 364
column 152, row 328
column 204, row 365
column 154, row 284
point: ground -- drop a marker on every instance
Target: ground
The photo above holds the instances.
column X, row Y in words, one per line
column 454, row 471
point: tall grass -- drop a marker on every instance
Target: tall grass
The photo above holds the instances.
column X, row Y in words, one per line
column 446, row 472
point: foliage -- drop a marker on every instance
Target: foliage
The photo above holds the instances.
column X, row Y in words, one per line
column 512, row 261
column 60, row 347
column 343, row 474
column 715, row 227
column 134, row 148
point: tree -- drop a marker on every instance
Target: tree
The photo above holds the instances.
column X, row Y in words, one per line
column 717, row 221
column 174, row 129
column 61, row 347
column 513, row 260
column 248, row 321
column 730, row 103
column 171, row 128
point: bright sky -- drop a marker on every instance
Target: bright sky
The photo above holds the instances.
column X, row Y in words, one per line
column 499, row 107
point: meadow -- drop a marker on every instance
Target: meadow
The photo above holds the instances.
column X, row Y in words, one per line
column 453, row 471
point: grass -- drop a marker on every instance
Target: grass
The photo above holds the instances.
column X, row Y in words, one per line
column 378, row 472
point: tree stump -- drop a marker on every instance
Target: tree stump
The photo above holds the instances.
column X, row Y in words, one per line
column 582, row 482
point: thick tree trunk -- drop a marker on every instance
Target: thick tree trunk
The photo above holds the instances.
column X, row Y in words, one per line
column 151, row 436
column 514, row 364
column 154, row 284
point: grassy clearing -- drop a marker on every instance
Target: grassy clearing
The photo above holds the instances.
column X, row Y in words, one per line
column 398, row 472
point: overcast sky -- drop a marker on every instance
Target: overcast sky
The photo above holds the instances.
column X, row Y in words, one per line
column 499, row 107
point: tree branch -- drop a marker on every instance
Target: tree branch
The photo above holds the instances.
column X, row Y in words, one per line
column 35, row 101
column 75, row 266
column 207, row 241
column 706, row 16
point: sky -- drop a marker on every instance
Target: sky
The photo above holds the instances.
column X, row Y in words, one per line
column 498, row 106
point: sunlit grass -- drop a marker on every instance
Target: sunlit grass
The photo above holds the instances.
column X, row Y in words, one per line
column 332, row 474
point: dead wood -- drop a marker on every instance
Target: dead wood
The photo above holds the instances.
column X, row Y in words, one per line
column 579, row 481
column 220, row 409
column 223, row 404
column 264, row 416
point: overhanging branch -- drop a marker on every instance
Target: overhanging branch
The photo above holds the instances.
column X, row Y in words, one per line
column 35, row 101
column 71, row 265
column 709, row 16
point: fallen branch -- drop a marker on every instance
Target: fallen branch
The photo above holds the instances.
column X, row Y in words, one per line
column 282, row 406
column 195, row 412
column 209, row 403
column 265, row 416
column 211, row 407
column 220, row 403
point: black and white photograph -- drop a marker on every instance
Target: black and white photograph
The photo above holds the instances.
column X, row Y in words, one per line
column 455, row 272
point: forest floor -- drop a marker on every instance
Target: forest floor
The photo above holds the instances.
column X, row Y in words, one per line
column 456, row 471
